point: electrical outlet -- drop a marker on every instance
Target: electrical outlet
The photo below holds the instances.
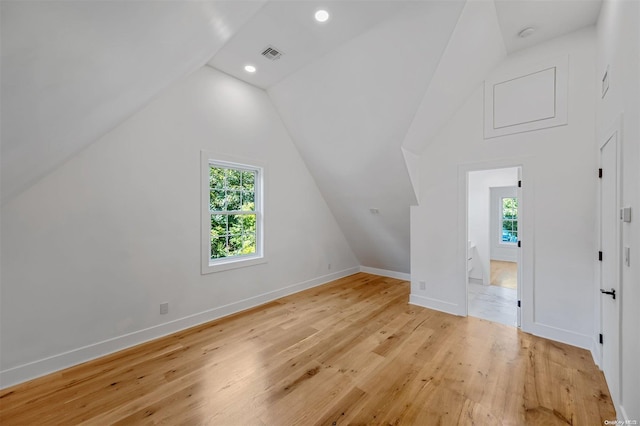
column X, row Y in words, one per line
column 423, row 285
column 164, row 308
column 328, row 266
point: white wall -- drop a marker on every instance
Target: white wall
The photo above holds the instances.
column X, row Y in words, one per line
column 89, row 252
column 557, row 170
column 619, row 49
column 348, row 114
column 479, row 209
column 477, row 42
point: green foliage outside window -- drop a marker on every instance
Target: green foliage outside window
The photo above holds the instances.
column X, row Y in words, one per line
column 509, row 220
column 233, row 214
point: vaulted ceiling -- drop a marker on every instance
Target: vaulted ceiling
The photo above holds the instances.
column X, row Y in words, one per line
column 349, row 113
column 73, row 70
column 361, row 94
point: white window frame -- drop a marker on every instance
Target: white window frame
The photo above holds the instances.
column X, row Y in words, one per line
column 209, row 265
column 501, row 223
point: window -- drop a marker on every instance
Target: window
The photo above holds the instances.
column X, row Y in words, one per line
column 232, row 215
column 509, row 221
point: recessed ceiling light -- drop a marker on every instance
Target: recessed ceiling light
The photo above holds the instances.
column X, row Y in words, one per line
column 526, row 32
column 322, row 15
column 250, row 68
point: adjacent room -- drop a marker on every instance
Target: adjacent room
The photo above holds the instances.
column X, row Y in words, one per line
column 492, row 257
column 303, row 212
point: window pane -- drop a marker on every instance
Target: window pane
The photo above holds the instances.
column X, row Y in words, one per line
column 248, row 243
column 235, row 245
column 233, row 178
column 248, row 181
column 218, row 225
column 509, row 220
column 218, row 247
column 248, row 201
column 216, row 177
column 509, row 231
column 249, row 223
column 233, row 200
column 235, row 224
column 510, row 208
column 242, row 244
column 216, row 200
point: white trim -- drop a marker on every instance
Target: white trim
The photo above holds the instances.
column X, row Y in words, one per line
column 583, row 341
column 22, row 373
column 560, row 65
column 622, row 414
column 595, row 353
column 386, row 273
column 435, row 304
column 233, row 263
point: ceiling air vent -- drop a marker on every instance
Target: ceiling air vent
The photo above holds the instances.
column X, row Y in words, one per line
column 272, row 53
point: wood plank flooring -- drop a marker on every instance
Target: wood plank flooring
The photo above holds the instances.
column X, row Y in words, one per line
column 504, row 274
column 349, row 352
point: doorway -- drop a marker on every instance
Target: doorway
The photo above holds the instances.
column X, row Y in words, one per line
column 493, row 236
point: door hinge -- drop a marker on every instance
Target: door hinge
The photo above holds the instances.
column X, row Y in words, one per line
column 600, row 256
column 600, row 173
column 518, row 303
column 519, row 243
column 600, row 338
column 519, row 184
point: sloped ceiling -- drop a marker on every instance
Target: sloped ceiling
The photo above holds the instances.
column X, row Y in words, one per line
column 549, row 19
column 348, row 113
column 290, row 27
column 475, row 48
column 73, row 70
column 362, row 96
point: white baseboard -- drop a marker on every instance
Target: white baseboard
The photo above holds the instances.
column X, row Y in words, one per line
column 561, row 335
column 32, row 370
column 386, row 273
column 596, row 353
column 435, row 304
column 622, row 415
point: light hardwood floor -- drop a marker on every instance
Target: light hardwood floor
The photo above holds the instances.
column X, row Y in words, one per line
column 349, row 352
column 504, row 274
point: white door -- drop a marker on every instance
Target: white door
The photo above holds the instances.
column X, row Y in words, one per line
column 610, row 265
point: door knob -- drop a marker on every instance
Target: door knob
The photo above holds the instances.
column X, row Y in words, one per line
column 612, row 292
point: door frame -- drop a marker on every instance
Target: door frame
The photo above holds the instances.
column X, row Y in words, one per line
column 525, row 317
column 615, row 389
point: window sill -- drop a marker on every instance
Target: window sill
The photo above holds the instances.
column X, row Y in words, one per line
column 212, row 267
